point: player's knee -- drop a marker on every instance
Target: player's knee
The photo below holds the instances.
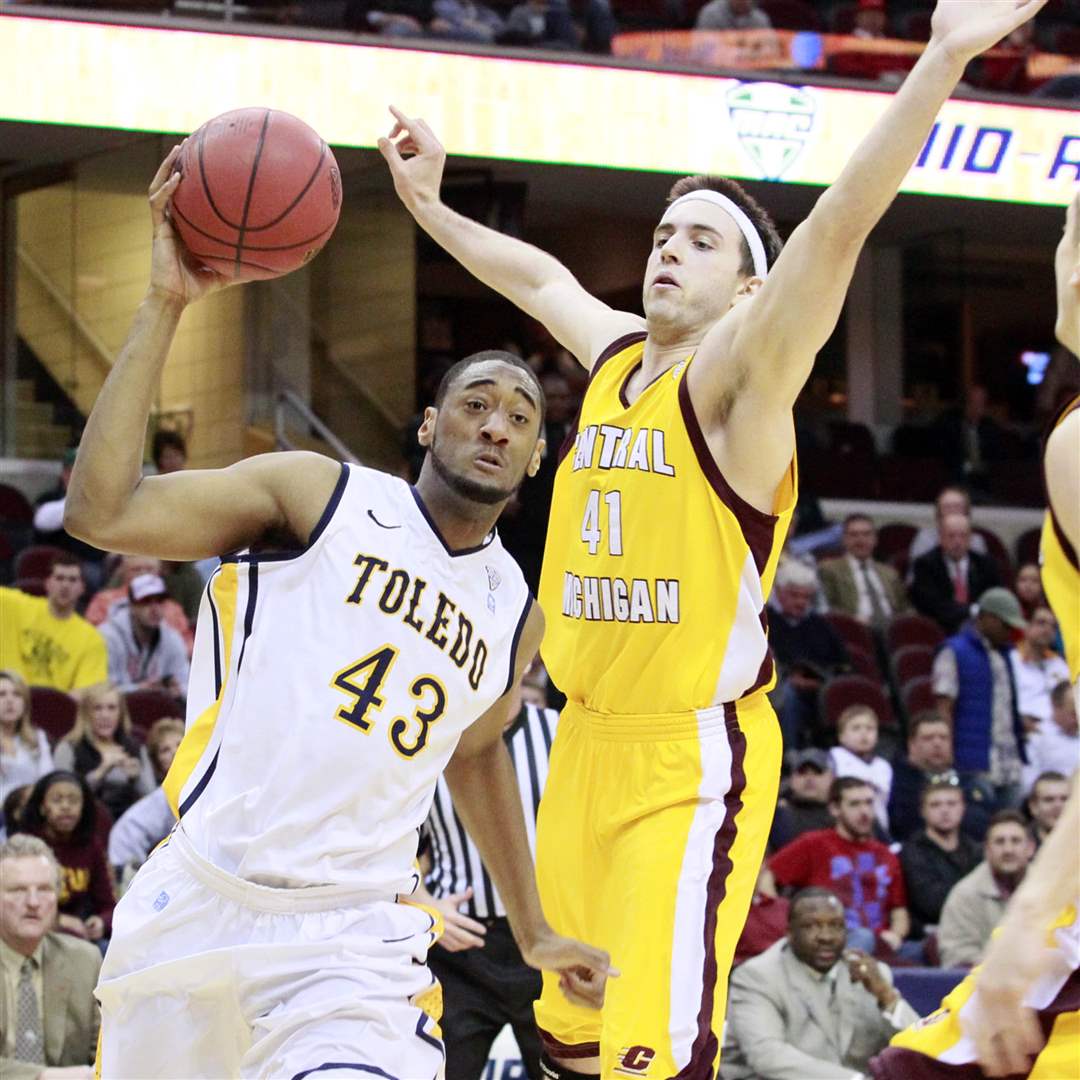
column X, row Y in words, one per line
column 555, row 1070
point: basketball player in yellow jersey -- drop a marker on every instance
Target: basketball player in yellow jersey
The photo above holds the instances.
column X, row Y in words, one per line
column 668, row 515
column 1019, row 1013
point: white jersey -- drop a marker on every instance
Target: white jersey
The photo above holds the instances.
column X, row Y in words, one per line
column 329, row 688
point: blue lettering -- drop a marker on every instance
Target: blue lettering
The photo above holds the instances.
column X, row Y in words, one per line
column 1067, row 157
column 950, row 150
column 925, row 155
column 1004, row 137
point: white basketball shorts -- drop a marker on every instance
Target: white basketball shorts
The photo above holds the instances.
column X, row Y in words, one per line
column 209, row 976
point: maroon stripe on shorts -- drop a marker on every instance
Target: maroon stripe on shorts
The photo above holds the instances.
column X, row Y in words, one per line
column 704, row 1050
column 896, row 1063
column 567, row 1051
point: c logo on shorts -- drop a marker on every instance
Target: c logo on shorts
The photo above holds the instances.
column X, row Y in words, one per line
column 635, row 1060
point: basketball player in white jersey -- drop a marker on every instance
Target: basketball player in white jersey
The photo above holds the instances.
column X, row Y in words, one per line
column 272, row 935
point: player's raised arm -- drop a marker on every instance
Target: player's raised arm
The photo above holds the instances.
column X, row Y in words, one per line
column 778, row 333
column 184, row 515
column 528, row 277
column 1067, row 273
column 485, row 793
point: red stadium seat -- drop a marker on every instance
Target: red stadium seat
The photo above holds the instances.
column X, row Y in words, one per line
column 998, row 552
column 863, row 663
column 14, row 506
column 918, row 696
column 33, row 586
column 35, row 561
column 912, row 629
column 53, row 711
column 1027, row 547
column 843, row 691
column 851, row 631
column 147, row 706
column 911, row 662
column 893, row 544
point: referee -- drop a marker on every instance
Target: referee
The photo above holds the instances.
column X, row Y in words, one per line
column 486, row 984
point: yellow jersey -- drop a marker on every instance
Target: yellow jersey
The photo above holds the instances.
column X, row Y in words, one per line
column 655, row 571
column 1061, row 574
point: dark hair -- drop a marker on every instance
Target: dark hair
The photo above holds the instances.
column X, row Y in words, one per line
column 941, row 783
column 1008, row 817
column 481, row 357
column 1060, row 692
column 921, row 719
column 811, row 892
column 852, row 518
column 164, row 439
column 759, row 217
column 64, row 558
column 32, row 819
column 13, row 807
column 1051, row 776
column 845, row 783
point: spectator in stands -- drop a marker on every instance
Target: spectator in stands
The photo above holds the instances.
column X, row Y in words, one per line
column 1045, row 803
column 45, row 640
column 947, row 579
column 169, row 451
column 732, row 15
column 108, row 602
column 50, row 1019
column 929, row 761
column 392, row 18
column 806, row 648
column 144, row 652
column 465, row 20
column 871, row 22
column 101, row 750
column 857, row 732
column 810, row 1008
column 856, row 584
column 540, row 22
column 976, row 904
column 951, row 500
column 1036, row 668
column 1055, row 747
column 973, row 688
column 62, row 812
column 1028, row 588
column 12, row 809
column 936, row 857
column 805, row 807
column 25, row 756
column 767, row 920
column 49, row 526
column 145, row 824
column 970, row 440
column 863, row 872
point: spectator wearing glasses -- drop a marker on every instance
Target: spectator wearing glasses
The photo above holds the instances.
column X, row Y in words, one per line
column 856, row 583
column 936, row 857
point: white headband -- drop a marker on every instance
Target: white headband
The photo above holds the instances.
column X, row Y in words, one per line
column 746, row 226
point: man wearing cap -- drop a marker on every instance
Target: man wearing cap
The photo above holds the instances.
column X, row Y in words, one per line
column 145, row 653
column 973, row 687
column 806, row 805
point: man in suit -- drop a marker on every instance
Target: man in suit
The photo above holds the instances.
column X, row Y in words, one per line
column 48, row 1016
column 855, row 583
column 809, row 1008
column 947, row 580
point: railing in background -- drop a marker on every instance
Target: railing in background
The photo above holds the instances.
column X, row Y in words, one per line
column 287, row 401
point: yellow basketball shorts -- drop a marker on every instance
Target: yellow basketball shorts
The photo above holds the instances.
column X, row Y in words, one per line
column 650, row 836
column 936, row 1048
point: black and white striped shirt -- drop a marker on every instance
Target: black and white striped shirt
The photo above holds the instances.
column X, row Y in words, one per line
column 455, row 862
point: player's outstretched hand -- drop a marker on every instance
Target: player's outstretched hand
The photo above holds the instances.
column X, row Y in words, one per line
column 583, row 970
column 172, row 271
column 969, row 27
column 416, row 159
column 1005, row 1032
column 1067, row 271
column 459, row 931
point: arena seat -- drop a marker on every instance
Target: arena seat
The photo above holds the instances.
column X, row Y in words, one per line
column 53, row 711
column 147, row 706
column 912, row 629
column 1027, row 547
column 918, row 696
column 998, row 552
column 14, row 506
column 851, row 631
column 863, row 662
column 35, row 561
column 843, row 691
column 911, row 662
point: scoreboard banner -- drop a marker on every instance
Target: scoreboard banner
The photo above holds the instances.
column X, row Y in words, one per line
column 156, row 80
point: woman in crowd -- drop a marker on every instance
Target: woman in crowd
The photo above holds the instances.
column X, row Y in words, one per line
column 61, row 811
column 150, row 820
column 101, row 749
column 25, row 756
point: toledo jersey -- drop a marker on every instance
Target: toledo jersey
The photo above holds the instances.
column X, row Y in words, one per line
column 329, row 688
column 655, row 572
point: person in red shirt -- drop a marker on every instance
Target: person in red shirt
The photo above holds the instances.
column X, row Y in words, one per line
column 863, row 872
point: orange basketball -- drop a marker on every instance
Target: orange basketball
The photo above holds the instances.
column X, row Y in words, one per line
column 260, row 194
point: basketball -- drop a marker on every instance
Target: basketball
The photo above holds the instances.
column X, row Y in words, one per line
column 259, row 196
